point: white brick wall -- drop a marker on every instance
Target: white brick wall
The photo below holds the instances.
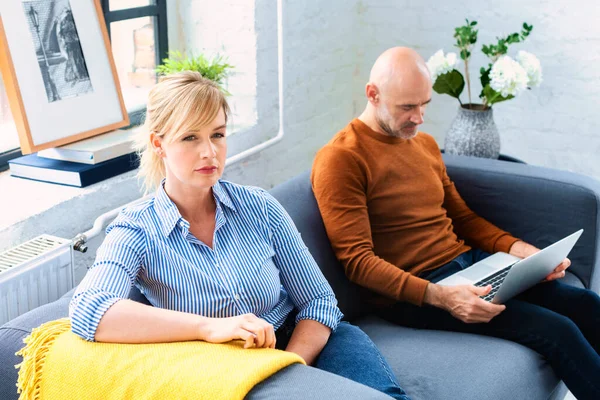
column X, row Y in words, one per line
column 319, row 64
column 329, row 47
column 199, row 26
column 556, row 125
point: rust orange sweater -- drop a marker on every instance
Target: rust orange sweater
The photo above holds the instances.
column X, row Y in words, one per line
column 391, row 211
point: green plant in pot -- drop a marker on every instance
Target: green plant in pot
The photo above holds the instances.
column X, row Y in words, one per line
column 473, row 131
column 217, row 69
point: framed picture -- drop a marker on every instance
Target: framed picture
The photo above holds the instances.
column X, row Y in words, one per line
column 58, row 70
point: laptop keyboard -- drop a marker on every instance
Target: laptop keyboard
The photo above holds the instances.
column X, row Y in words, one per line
column 495, row 280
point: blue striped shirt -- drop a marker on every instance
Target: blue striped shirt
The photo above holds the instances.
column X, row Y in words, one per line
column 258, row 263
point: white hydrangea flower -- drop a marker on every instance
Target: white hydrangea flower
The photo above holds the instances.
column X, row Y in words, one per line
column 438, row 64
column 508, row 77
column 532, row 66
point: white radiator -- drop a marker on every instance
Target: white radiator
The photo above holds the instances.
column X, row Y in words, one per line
column 34, row 273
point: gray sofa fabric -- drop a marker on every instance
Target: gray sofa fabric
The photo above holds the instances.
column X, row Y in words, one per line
column 11, row 340
column 537, row 204
column 446, row 365
column 302, row 382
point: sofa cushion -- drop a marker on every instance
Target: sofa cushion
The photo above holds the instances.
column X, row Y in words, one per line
column 296, row 196
column 447, row 365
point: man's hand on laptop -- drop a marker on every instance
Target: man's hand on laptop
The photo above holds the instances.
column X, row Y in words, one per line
column 559, row 272
column 463, row 302
column 523, row 250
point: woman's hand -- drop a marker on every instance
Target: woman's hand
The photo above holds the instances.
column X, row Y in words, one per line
column 248, row 327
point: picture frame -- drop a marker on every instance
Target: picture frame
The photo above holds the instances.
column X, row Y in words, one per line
column 59, row 72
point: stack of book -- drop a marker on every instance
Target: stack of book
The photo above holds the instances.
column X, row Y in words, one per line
column 82, row 163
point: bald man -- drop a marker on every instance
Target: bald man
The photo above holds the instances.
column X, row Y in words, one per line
column 398, row 225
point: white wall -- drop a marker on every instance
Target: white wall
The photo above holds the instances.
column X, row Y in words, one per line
column 198, row 26
column 319, row 62
column 319, row 67
column 329, row 47
column 556, row 125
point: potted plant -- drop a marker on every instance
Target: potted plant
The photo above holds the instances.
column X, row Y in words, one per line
column 473, row 131
column 217, row 69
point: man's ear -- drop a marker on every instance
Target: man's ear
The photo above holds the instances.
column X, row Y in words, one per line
column 156, row 142
column 372, row 93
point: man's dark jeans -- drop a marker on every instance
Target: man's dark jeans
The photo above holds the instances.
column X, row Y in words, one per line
column 559, row 321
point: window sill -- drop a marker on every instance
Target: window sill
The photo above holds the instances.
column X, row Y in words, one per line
column 26, row 198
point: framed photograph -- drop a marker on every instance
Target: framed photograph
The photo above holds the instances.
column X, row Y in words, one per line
column 58, row 70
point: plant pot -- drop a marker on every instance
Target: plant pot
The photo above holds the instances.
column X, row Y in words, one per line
column 473, row 133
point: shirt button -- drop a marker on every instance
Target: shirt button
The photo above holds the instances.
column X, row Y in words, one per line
column 237, row 297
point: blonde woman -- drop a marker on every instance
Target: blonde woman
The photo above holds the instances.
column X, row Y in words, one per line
column 217, row 261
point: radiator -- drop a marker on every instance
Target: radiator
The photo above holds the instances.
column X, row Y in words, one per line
column 34, row 273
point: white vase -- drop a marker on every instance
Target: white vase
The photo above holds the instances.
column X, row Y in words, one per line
column 473, row 133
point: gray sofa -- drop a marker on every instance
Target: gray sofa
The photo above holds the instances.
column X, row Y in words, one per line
column 539, row 205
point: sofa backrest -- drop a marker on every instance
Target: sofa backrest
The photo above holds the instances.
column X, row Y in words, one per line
column 536, row 204
column 296, row 196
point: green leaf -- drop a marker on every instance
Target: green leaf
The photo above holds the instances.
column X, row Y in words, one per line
column 215, row 69
column 494, row 97
column 485, row 78
column 451, row 83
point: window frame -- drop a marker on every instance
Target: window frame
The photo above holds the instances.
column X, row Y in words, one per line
column 161, row 40
column 158, row 10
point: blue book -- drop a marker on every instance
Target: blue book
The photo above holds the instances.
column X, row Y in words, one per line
column 70, row 173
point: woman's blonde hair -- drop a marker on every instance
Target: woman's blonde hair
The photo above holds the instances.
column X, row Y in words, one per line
column 177, row 104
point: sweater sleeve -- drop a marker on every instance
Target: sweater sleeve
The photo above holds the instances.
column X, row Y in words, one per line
column 473, row 229
column 340, row 186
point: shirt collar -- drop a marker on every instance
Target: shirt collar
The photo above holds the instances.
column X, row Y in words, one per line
column 166, row 210
column 222, row 196
column 168, row 213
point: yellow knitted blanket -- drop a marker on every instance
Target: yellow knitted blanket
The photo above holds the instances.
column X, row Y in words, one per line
column 58, row 365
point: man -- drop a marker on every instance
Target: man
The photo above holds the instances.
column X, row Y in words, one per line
column 398, row 225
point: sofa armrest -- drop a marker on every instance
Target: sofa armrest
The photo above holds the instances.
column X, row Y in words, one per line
column 13, row 332
column 536, row 204
column 11, row 340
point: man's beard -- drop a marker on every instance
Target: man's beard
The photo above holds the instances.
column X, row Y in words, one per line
column 395, row 133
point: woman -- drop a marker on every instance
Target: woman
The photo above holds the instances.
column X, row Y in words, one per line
column 218, row 261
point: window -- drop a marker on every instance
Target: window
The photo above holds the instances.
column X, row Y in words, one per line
column 138, row 32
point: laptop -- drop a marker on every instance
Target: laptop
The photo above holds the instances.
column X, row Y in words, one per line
column 510, row 275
